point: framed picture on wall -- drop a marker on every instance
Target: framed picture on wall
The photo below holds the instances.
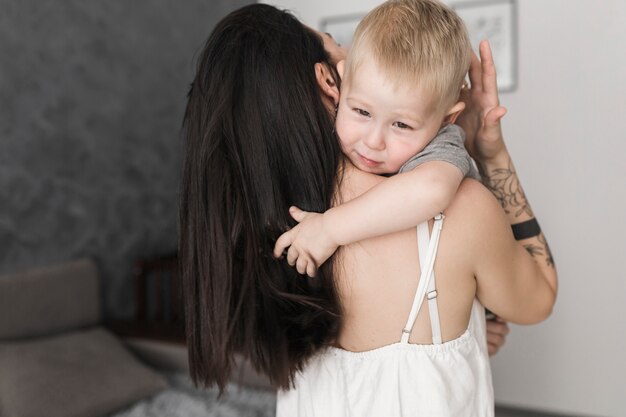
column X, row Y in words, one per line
column 495, row 20
column 341, row 28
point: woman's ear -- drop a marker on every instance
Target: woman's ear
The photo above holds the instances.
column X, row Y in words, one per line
column 341, row 66
column 453, row 113
column 326, row 82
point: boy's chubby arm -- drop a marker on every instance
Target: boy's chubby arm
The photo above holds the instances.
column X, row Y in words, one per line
column 400, row 202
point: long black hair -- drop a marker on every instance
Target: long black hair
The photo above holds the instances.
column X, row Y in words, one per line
column 258, row 139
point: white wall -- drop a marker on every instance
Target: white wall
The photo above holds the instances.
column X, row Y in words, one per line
column 566, row 131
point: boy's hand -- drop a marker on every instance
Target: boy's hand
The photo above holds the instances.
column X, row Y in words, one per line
column 309, row 243
column 481, row 119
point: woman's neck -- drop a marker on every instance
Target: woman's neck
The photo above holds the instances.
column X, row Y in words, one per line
column 353, row 182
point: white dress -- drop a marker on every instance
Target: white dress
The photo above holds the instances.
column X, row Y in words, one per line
column 401, row 379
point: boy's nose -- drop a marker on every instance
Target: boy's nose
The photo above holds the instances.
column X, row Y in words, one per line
column 375, row 139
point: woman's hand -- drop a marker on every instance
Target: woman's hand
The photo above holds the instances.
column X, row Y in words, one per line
column 497, row 329
column 481, row 119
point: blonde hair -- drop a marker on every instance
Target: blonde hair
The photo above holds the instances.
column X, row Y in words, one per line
column 421, row 43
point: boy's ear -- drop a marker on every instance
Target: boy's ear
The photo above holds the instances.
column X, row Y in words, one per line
column 453, row 113
column 326, row 82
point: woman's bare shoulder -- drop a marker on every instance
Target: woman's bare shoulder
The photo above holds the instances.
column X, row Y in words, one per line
column 473, row 210
column 474, row 197
column 355, row 182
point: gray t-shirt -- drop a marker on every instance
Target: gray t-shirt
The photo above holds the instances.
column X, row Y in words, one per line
column 447, row 146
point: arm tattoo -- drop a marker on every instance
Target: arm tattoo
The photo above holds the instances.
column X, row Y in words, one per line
column 505, row 186
column 541, row 250
column 549, row 258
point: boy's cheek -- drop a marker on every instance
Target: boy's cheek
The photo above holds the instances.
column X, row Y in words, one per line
column 343, row 130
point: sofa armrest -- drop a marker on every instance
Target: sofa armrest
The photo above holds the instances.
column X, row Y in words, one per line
column 49, row 300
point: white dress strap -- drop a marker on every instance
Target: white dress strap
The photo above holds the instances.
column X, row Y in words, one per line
column 425, row 277
column 423, row 240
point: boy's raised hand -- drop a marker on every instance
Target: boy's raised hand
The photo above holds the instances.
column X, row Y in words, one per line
column 481, row 119
column 310, row 245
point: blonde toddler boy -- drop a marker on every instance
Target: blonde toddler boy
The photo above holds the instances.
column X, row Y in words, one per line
column 400, row 98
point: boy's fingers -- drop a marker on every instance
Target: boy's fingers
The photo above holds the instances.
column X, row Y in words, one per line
column 301, row 265
column 297, row 214
column 292, row 256
column 283, row 242
column 311, row 270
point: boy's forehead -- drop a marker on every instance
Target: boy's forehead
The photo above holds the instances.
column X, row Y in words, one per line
column 364, row 73
column 371, row 85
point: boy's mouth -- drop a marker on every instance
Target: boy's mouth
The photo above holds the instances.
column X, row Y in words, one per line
column 368, row 162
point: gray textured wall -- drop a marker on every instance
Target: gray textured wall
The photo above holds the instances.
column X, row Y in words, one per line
column 91, row 101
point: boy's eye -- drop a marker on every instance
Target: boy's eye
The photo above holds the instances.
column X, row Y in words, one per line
column 362, row 112
column 402, row 125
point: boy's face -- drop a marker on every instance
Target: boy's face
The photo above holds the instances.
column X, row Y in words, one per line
column 380, row 127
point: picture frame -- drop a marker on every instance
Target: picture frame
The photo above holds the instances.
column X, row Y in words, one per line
column 341, row 27
column 495, row 20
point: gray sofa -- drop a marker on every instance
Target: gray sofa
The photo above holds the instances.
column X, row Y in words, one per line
column 56, row 358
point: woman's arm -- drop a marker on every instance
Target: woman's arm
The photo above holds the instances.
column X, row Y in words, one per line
column 512, row 283
column 485, row 143
column 500, row 177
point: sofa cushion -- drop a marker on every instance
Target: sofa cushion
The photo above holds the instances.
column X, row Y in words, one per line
column 49, row 300
column 86, row 373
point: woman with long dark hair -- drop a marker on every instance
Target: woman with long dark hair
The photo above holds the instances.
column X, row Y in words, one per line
column 259, row 138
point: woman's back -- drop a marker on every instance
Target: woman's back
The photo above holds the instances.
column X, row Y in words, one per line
column 377, row 278
column 372, row 371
